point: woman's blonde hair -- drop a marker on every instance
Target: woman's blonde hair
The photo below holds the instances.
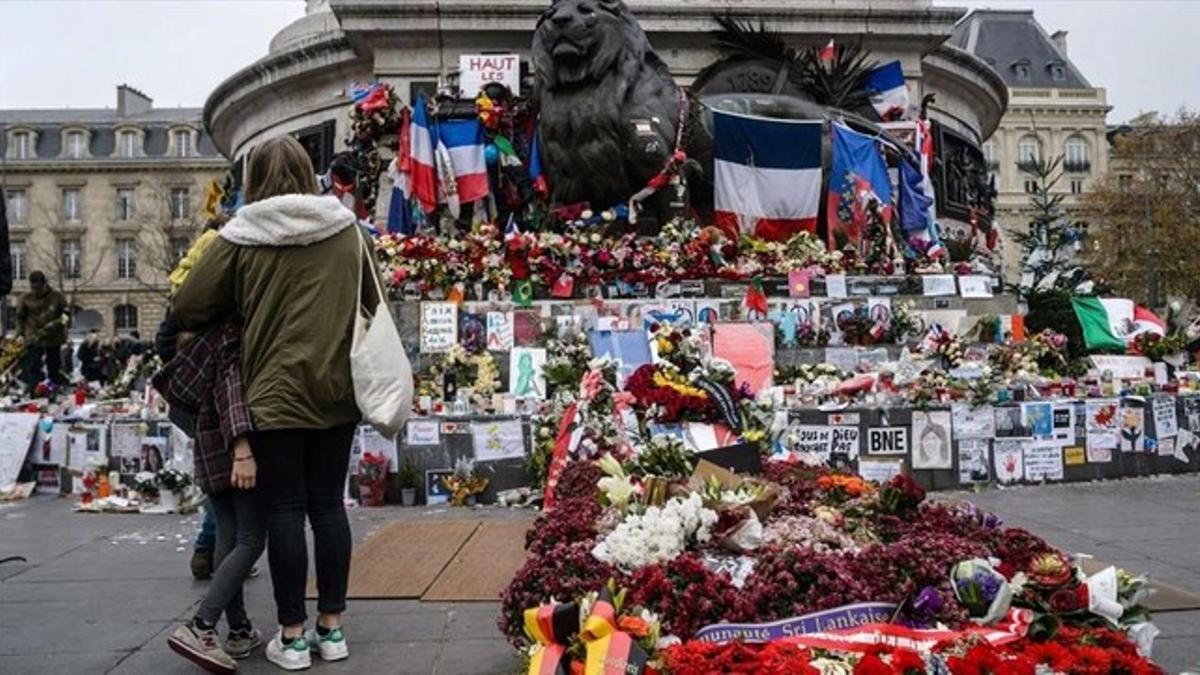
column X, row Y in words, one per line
column 279, row 167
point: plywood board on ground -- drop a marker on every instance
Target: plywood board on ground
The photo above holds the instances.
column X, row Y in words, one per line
column 403, row 559
column 484, row 565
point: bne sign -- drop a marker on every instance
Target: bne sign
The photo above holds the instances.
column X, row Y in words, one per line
column 477, row 70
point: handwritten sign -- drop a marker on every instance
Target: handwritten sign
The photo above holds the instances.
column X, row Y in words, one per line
column 439, row 326
column 477, row 70
column 1166, row 425
column 1043, row 461
column 500, row 331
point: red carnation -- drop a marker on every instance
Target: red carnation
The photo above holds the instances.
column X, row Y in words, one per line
column 1090, row 661
column 1068, row 601
column 1056, row 656
column 906, row 661
column 872, row 665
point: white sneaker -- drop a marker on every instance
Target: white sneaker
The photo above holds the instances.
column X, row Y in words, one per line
column 332, row 647
column 294, row 656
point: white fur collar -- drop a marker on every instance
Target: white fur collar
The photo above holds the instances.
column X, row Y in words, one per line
column 288, row 220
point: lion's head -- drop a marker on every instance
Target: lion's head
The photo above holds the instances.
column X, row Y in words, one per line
column 580, row 41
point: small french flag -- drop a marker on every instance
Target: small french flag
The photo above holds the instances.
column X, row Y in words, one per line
column 422, row 166
column 464, row 141
column 889, row 94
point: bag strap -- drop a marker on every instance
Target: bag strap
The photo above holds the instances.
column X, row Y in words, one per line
column 363, row 265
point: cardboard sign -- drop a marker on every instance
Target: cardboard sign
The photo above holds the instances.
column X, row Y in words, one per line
column 439, row 326
column 1007, row 459
column 1043, row 461
column 880, row 471
column 973, row 461
column 1166, row 425
column 496, row 440
column 424, row 432
column 1121, row 367
column 887, row 441
column 500, row 331
column 477, row 70
column 931, row 440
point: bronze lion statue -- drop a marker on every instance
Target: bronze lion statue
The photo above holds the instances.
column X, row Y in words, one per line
column 609, row 109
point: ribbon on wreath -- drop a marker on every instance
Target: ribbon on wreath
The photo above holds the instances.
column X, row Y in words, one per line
column 610, row 651
column 551, row 627
column 724, row 402
column 565, row 441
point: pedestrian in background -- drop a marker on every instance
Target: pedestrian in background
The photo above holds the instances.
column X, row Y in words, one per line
column 41, row 321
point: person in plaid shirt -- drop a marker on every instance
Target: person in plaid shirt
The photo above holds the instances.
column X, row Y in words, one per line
column 204, row 380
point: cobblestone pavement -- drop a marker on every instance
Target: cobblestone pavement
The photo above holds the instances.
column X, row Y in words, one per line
column 101, row 593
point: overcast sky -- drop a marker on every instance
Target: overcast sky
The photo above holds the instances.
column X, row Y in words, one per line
column 60, row 53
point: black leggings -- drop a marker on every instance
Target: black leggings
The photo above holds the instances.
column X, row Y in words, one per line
column 302, row 472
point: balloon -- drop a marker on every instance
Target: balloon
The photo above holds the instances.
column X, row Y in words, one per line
column 491, row 154
column 47, row 425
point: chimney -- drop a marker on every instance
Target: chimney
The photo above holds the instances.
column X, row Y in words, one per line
column 1060, row 41
column 131, row 102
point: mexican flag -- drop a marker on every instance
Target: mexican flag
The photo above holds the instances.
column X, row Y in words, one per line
column 1110, row 324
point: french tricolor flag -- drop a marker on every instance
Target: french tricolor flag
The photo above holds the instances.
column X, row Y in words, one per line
column 888, row 92
column 767, row 175
column 464, row 140
column 421, row 165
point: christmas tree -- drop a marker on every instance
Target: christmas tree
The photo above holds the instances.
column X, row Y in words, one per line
column 1049, row 248
column 1050, row 271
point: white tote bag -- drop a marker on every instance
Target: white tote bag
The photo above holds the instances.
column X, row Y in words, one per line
column 379, row 367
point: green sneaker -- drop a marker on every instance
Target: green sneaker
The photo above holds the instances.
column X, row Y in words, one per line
column 293, row 656
column 331, row 647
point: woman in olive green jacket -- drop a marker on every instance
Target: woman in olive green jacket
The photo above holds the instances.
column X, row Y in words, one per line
column 288, row 265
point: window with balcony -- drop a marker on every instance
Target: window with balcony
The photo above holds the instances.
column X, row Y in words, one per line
column 76, row 145
column 72, row 205
column 72, row 259
column 126, row 259
column 1076, row 186
column 1125, row 182
column 180, row 204
column 183, row 143
column 179, row 248
column 125, row 204
column 16, row 253
column 18, row 208
column 22, row 145
column 991, row 155
column 125, row 318
column 129, row 144
column 1075, row 156
column 1031, row 186
column 1029, row 152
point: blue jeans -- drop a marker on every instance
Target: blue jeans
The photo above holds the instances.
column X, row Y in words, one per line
column 206, row 538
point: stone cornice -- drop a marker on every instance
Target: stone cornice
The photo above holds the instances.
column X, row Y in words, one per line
column 115, row 165
column 948, row 66
column 795, row 19
column 272, row 71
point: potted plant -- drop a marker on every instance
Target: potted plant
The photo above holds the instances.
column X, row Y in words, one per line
column 406, row 478
column 171, row 483
column 146, row 485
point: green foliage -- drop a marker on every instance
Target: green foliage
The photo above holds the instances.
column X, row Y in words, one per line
column 665, row 457
column 1048, row 249
column 406, row 477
